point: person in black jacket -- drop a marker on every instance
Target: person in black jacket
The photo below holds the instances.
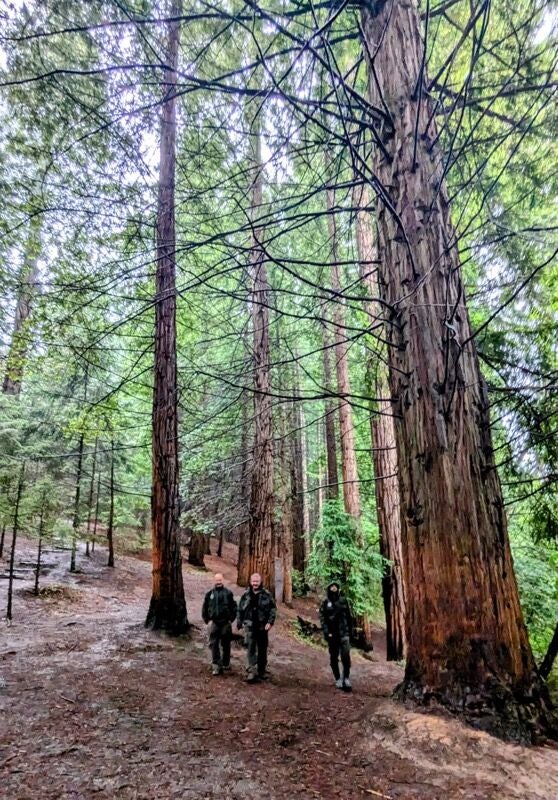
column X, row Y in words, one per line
column 336, row 622
column 219, row 610
column 256, row 614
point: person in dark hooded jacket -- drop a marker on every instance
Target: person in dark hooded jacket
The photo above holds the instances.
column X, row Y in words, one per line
column 336, row 622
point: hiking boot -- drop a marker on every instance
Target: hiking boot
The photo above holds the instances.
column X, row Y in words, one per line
column 215, row 669
column 347, row 685
column 264, row 676
column 226, row 667
column 339, row 683
column 251, row 678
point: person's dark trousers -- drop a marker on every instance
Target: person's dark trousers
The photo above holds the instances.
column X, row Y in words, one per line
column 220, row 635
column 256, row 642
column 339, row 646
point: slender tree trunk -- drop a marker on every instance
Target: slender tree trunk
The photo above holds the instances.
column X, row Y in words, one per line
column 19, row 345
column 97, row 504
column 221, row 539
column 76, row 520
column 384, row 454
column 15, row 531
column 550, row 657
column 467, row 645
column 332, row 480
column 351, row 491
column 167, row 610
column 243, row 575
column 284, row 497
column 296, row 494
column 40, row 546
column 2, row 537
column 261, row 556
column 110, row 526
column 90, row 498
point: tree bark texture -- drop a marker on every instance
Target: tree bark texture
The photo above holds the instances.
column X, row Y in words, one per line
column 467, row 645
column 110, row 526
column 167, row 610
column 384, row 453
column 40, row 546
column 332, row 478
column 15, row 531
column 76, row 519
column 19, row 344
column 260, row 534
column 90, row 497
column 243, row 572
column 197, row 549
column 351, row 492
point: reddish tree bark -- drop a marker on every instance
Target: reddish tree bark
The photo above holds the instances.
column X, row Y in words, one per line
column 197, row 549
column 261, row 557
column 167, row 610
column 243, row 574
column 467, row 645
column 332, row 479
column 384, row 453
column 110, row 526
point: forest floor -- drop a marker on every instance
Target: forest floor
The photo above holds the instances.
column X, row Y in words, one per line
column 94, row 706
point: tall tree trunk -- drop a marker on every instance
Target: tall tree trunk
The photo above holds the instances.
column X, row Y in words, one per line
column 40, row 546
column 167, row 610
column 296, row 492
column 76, row 519
column 384, row 454
column 90, row 498
column 2, row 538
column 332, row 480
column 243, row 572
column 550, row 657
column 261, row 556
column 110, row 526
column 284, row 501
column 96, row 520
column 15, row 532
column 467, row 645
column 19, row 345
column 351, row 491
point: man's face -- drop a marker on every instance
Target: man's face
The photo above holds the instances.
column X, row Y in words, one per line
column 334, row 589
column 256, row 581
column 218, row 580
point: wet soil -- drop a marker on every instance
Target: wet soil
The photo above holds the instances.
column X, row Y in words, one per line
column 94, row 706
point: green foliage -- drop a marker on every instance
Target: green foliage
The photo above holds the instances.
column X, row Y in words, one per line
column 338, row 555
column 537, row 576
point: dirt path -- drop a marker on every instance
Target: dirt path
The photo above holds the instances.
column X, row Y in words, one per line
column 94, row 706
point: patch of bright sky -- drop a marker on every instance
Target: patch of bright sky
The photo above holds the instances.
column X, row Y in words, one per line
column 547, row 27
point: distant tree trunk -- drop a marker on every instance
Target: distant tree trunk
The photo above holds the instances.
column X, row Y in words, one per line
column 197, row 549
column 76, row 520
column 551, row 653
column 15, row 531
column 28, row 278
column 332, row 480
column 384, row 454
column 2, row 537
column 243, row 573
column 261, row 556
column 40, row 546
column 221, row 539
column 297, row 496
column 305, row 501
column 90, row 498
column 167, row 610
column 467, row 645
column 97, row 504
column 351, row 491
column 284, row 497
column 110, row 526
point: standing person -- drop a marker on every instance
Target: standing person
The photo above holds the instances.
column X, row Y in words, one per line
column 219, row 610
column 256, row 614
column 337, row 623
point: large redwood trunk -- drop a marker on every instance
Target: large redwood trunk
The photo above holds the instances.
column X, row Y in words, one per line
column 19, row 344
column 243, row 573
column 167, row 610
column 384, row 454
column 261, row 557
column 467, row 645
column 332, row 479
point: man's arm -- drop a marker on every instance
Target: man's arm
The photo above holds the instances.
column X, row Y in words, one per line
column 241, row 611
column 232, row 607
column 205, row 610
column 272, row 616
column 323, row 622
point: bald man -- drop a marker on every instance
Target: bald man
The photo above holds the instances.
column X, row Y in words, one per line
column 218, row 611
column 256, row 614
